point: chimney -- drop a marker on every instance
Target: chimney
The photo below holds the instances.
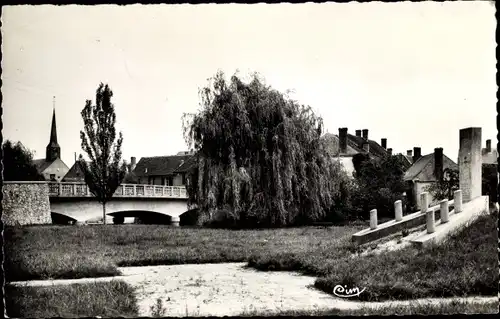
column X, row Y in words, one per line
column 358, row 133
column 132, row 163
column 75, row 157
column 416, row 154
column 384, row 143
column 438, row 163
column 409, row 153
column 365, row 134
column 366, row 147
column 488, row 146
column 343, row 140
column 389, row 151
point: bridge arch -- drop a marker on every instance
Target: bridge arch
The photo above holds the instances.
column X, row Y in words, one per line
column 146, row 211
column 141, row 217
column 61, row 219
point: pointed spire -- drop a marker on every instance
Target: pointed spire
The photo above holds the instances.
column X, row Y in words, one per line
column 53, row 149
column 53, row 131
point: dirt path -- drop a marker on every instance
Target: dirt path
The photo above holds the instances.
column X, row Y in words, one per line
column 227, row 289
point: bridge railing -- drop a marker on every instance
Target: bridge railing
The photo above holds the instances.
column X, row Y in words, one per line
column 66, row 189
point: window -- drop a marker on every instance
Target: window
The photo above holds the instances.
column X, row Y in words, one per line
column 52, row 177
column 167, row 181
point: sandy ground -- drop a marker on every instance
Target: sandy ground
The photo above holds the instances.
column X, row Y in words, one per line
column 224, row 289
column 227, row 289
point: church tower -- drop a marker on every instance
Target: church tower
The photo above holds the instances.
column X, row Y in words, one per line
column 53, row 150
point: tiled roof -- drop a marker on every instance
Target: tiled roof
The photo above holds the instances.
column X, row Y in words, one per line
column 405, row 160
column 41, row 164
column 354, row 145
column 187, row 165
column 423, row 168
column 332, row 145
column 75, row 172
column 375, row 148
column 160, row 165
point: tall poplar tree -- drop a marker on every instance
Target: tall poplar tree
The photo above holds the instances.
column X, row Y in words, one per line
column 260, row 156
column 104, row 173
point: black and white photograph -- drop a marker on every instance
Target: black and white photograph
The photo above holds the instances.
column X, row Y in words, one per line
column 241, row 160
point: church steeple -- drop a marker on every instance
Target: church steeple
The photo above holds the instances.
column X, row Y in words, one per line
column 53, row 150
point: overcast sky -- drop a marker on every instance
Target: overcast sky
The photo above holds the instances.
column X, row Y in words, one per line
column 414, row 73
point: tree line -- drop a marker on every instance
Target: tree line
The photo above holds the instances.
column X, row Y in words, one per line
column 259, row 161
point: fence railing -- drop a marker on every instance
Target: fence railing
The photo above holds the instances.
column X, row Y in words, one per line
column 443, row 207
column 66, row 189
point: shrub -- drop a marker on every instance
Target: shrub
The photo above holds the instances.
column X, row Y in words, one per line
column 490, row 181
column 379, row 183
column 445, row 188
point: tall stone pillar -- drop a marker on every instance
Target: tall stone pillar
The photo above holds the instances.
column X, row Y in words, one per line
column 470, row 162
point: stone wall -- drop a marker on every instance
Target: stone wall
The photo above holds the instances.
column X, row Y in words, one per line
column 470, row 163
column 25, row 203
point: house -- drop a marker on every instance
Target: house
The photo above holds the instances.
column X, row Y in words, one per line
column 425, row 171
column 52, row 168
column 406, row 160
column 164, row 170
column 76, row 174
column 490, row 156
column 344, row 146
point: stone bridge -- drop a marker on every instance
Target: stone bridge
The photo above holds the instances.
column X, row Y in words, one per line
column 145, row 203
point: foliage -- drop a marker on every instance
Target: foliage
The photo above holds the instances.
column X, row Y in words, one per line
column 130, row 178
column 490, row 181
column 445, row 188
column 104, row 174
column 113, row 299
column 158, row 310
column 379, row 184
column 18, row 163
column 260, row 156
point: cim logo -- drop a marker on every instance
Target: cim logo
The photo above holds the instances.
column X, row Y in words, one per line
column 343, row 292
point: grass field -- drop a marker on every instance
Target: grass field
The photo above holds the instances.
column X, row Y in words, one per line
column 465, row 265
column 459, row 307
column 108, row 299
column 44, row 252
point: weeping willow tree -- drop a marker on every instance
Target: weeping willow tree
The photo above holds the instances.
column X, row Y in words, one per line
column 259, row 156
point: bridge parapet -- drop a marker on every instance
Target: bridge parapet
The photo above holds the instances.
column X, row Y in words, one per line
column 67, row 189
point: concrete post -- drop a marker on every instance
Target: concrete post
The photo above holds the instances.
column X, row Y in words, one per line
column 373, row 219
column 470, row 162
column 424, row 202
column 444, row 211
column 175, row 221
column 398, row 209
column 457, row 198
column 431, row 222
column 60, row 189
